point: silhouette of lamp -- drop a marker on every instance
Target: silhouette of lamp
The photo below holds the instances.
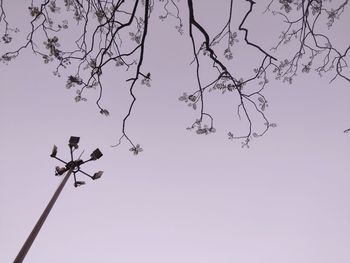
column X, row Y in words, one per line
column 73, row 166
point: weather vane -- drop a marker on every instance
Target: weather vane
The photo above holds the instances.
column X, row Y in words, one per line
column 73, row 166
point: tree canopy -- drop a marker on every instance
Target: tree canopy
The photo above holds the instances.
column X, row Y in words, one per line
column 81, row 39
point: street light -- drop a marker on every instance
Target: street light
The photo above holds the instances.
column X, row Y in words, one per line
column 73, row 166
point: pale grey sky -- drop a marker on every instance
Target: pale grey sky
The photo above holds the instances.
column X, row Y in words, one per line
column 186, row 198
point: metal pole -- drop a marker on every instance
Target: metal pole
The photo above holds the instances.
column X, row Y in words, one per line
column 26, row 246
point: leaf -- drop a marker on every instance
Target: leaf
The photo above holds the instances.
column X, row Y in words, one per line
column 192, row 98
column 201, row 131
column 104, row 112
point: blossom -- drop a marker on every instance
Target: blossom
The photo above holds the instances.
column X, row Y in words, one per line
column 136, row 149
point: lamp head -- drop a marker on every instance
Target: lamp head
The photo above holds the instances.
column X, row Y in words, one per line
column 54, row 151
column 60, row 170
column 73, row 142
column 97, row 175
column 79, row 183
column 96, row 154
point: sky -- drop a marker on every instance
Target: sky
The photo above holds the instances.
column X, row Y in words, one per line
column 185, row 198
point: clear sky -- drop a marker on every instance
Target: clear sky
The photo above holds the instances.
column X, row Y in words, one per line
column 185, row 198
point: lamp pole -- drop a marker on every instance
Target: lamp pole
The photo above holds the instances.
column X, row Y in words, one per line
column 71, row 167
column 26, row 246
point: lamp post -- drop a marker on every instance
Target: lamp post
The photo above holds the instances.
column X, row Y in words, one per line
column 73, row 166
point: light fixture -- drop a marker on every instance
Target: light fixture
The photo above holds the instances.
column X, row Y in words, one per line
column 97, row 175
column 54, row 151
column 73, row 142
column 79, row 183
column 96, row 154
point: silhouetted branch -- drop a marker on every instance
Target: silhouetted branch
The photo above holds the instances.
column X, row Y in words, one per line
column 113, row 33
